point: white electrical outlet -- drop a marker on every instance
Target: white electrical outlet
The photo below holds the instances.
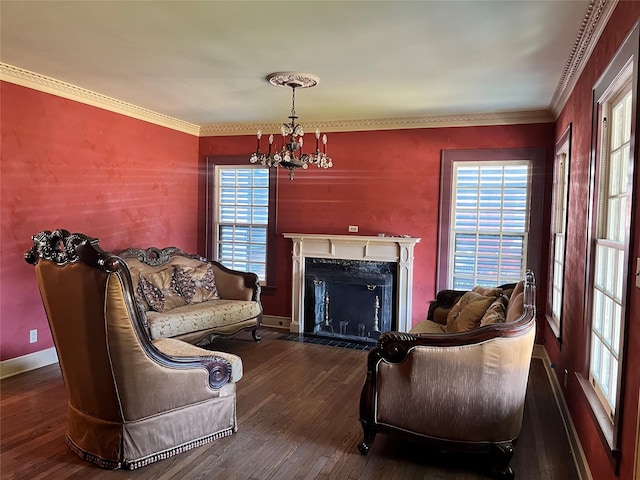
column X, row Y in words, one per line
column 353, row 228
column 33, row 335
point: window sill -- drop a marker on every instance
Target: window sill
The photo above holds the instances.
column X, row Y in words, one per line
column 268, row 289
column 555, row 328
column 604, row 425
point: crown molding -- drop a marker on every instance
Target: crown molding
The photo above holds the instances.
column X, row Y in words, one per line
column 59, row 88
column 42, row 83
column 593, row 24
column 440, row 121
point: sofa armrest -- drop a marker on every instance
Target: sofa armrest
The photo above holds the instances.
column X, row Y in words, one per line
column 234, row 284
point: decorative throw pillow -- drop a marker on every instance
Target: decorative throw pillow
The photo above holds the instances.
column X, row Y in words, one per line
column 487, row 292
column 196, row 284
column 159, row 289
column 137, row 289
column 496, row 313
column 465, row 315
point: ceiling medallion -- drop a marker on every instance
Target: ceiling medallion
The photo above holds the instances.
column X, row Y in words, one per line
column 290, row 155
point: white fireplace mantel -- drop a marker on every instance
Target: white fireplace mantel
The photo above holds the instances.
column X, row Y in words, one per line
column 353, row 247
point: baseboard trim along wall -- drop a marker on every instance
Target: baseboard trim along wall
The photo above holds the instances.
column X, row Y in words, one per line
column 273, row 321
column 576, row 447
column 31, row 361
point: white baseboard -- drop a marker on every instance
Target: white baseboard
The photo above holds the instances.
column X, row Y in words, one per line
column 273, row 321
column 31, row 361
column 579, row 457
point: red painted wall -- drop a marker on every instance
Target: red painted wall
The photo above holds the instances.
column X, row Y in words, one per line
column 382, row 181
column 578, row 112
column 69, row 165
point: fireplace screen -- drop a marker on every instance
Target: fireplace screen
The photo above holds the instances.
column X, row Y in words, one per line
column 349, row 299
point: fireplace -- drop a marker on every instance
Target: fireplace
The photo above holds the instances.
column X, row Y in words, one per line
column 349, row 299
column 381, row 266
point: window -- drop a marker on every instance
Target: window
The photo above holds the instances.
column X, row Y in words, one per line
column 558, row 232
column 485, row 216
column 489, row 219
column 609, row 240
column 240, row 213
column 242, row 218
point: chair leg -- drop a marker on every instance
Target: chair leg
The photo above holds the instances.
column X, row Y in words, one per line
column 368, row 438
column 502, row 453
column 256, row 336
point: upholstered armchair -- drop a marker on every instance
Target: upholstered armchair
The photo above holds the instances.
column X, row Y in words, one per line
column 132, row 401
column 455, row 391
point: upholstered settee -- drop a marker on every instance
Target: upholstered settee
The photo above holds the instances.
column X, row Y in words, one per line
column 458, row 380
column 131, row 400
column 190, row 298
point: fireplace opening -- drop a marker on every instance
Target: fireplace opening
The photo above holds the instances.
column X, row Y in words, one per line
column 349, row 299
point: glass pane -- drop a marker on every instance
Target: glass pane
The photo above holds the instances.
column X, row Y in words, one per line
column 489, row 220
column 243, row 204
column 488, row 200
column 465, row 244
column 464, row 265
column 466, row 219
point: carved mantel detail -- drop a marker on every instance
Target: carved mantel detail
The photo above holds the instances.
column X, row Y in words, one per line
column 351, row 247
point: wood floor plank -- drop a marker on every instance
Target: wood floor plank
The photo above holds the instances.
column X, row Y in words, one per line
column 298, row 419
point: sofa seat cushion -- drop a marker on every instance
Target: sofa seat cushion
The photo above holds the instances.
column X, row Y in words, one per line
column 177, row 348
column 427, row 326
column 201, row 316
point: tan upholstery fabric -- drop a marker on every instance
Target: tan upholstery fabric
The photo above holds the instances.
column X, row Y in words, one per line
column 514, row 310
column 483, row 403
column 487, row 292
column 467, row 312
column 496, row 313
column 200, row 316
column 124, row 407
column 517, row 289
column 427, row 326
column 165, row 296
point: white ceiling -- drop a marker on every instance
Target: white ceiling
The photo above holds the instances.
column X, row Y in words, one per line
column 205, row 62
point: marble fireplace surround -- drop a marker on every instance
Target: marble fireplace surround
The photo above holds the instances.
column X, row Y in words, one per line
column 353, row 247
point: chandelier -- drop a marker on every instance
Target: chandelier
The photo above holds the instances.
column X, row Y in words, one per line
column 290, row 155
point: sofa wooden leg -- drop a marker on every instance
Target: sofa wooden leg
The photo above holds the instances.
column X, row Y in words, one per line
column 502, row 453
column 256, row 336
column 369, row 437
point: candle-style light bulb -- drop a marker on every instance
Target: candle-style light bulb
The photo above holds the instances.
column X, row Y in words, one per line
column 317, row 133
column 270, row 139
column 259, row 134
column 324, row 141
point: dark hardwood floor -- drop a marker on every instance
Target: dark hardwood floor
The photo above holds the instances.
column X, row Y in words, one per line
column 298, row 419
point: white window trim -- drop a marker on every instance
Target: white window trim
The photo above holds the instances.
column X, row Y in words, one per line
column 559, row 222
